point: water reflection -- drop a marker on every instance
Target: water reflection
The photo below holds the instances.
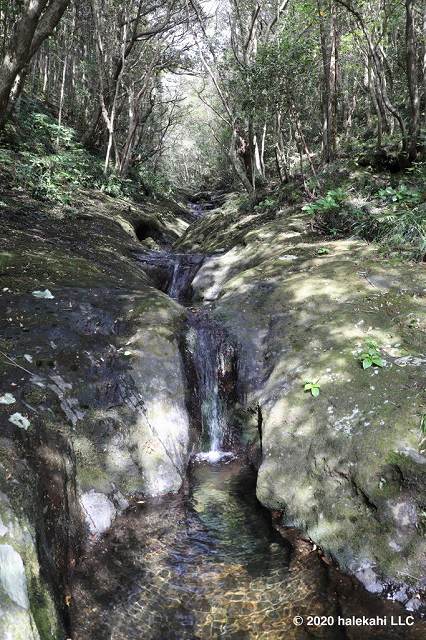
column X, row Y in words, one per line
column 211, row 566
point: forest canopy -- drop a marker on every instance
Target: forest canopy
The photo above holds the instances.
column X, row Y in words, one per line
column 190, row 89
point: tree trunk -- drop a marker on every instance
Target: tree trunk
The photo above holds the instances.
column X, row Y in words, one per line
column 61, row 100
column 327, row 18
column 235, row 153
column 413, row 88
column 37, row 22
column 379, row 70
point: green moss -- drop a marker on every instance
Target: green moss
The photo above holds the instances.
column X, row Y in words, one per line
column 44, row 611
column 410, row 469
column 91, row 475
column 35, row 395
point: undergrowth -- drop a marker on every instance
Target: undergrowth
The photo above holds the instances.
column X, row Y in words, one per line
column 393, row 216
column 354, row 201
column 49, row 163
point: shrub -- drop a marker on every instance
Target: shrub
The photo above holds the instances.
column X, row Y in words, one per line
column 394, row 216
column 331, row 202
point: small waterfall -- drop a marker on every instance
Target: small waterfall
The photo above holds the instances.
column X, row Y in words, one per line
column 174, row 286
column 171, row 272
column 211, row 359
column 185, row 267
column 215, row 365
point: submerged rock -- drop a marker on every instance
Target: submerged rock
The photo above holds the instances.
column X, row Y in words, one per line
column 99, row 510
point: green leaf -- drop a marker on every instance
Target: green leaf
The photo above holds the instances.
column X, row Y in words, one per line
column 371, row 343
column 366, row 363
column 315, row 391
column 308, row 386
column 377, row 360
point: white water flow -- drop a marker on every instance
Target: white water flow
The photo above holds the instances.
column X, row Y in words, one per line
column 185, row 267
column 211, row 356
column 174, row 285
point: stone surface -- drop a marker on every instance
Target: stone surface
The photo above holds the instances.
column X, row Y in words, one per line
column 21, row 584
column 95, row 368
column 99, row 511
column 345, row 467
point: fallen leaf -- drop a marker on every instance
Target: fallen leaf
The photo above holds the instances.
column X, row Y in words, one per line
column 43, row 294
column 20, row 421
column 7, row 398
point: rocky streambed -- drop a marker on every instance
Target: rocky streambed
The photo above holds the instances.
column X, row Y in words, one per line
column 116, row 385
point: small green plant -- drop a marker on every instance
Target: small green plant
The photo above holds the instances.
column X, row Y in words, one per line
column 371, row 355
column 401, row 195
column 323, row 251
column 332, row 201
column 313, row 387
column 267, row 204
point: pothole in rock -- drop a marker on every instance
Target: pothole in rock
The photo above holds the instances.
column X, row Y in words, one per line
column 145, row 229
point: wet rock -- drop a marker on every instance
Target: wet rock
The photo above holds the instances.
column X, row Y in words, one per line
column 12, row 576
column 99, row 511
column 95, row 369
column 27, row 611
column 368, row 576
column 345, row 467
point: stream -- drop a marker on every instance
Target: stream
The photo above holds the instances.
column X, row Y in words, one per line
column 208, row 563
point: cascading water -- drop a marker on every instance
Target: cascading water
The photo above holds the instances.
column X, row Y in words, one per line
column 206, row 564
column 171, row 272
column 214, row 362
column 174, row 285
column 185, row 267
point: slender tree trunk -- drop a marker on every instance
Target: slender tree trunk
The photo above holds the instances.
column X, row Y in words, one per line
column 262, row 151
column 413, row 88
column 379, row 70
column 61, row 99
column 235, row 158
column 303, row 144
column 278, row 163
column 424, row 66
column 16, row 91
column 371, row 88
column 279, row 151
column 327, row 18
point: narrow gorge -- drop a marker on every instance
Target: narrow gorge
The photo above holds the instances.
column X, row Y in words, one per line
column 212, row 320
column 153, row 389
column 212, row 561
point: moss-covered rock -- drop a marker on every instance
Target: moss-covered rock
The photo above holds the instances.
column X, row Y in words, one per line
column 96, row 376
column 27, row 610
column 346, row 466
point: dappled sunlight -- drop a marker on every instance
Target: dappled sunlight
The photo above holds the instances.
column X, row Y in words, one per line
column 303, row 316
column 212, row 345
